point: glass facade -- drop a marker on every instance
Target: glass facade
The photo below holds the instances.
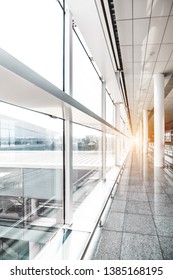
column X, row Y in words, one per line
column 87, row 162
column 110, row 151
column 34, row 193
column 31, row 182
column 86, row 83
column 38, row 43
column 110, row 110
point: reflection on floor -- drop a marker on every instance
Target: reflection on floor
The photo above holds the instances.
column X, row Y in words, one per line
column 140, row 223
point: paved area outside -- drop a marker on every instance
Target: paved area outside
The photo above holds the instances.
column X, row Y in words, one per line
column 139, row 225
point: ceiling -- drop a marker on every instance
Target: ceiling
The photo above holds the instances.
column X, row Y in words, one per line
column 146, row 44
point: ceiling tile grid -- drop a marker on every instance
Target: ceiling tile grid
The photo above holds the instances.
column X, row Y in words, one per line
column 146, row 41
column 160, row 8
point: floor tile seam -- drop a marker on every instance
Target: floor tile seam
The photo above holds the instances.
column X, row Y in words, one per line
column 160, row 202
column 120, row 212
column 140, row 214
column 163, row 203
column 156, row 232
column 160, row 215
column 143, row 214
column 135, row 200
column 169, row 196
column 139, row 233
column 165, row 236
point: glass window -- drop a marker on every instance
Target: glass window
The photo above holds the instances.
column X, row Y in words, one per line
column 31, row 181
column 87, row 162
column 32, row 31
column 110, row 114
column 110, row 151
column 86, row 83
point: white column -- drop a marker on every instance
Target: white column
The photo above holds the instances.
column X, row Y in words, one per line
column 145, row 131
column 159, row 120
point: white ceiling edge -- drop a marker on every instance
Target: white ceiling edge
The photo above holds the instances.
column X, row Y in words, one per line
column 89, row 19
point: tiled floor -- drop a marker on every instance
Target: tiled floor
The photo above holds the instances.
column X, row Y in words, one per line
column 140, row 222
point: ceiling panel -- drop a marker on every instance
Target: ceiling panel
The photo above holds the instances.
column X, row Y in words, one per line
column 168, row 37
column 121, row 12
column 152, row 52
column 160, row 9
column 157, row 27
column 139, row 53
column 126, row 52
column 149, row 67
column 125, row 32
column 141, row 8
column 145, row 84
column 160, row 67
column 140, row 30
column 128, row 68
column 165, row 52
column 137, row 68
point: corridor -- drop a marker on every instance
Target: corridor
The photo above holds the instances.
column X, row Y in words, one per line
column 139, row 225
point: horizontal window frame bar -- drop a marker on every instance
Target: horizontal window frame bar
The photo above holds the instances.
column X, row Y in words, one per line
column 12, row 64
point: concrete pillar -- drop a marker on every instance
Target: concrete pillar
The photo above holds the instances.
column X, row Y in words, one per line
column 145, row 131
column 159, row 120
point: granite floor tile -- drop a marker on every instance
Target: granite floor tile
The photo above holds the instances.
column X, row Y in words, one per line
column 122, row 188
column 159, row 198
column 138, row 207
column 109, row 246
column 142, row 224
column 137, row 196
column 120, row 195
column 124, row 181
column 167, row 247
column 136, row 182
column 162, row 209
column 114, row 221
column 137, row 189
column 169, row 189
column 155, row 189
column 140, row 247
column 140, row 220
column 152, row 183
column 171, row 197
column 118, row 206
column 164, row 225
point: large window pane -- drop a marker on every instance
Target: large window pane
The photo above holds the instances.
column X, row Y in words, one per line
column 87, row 162
column 86, row 83
column 31, row 185
column 110, row 114
column 110, row 151
column 32, row 31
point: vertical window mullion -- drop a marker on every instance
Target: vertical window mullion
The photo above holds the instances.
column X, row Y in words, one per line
column 68, row 87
